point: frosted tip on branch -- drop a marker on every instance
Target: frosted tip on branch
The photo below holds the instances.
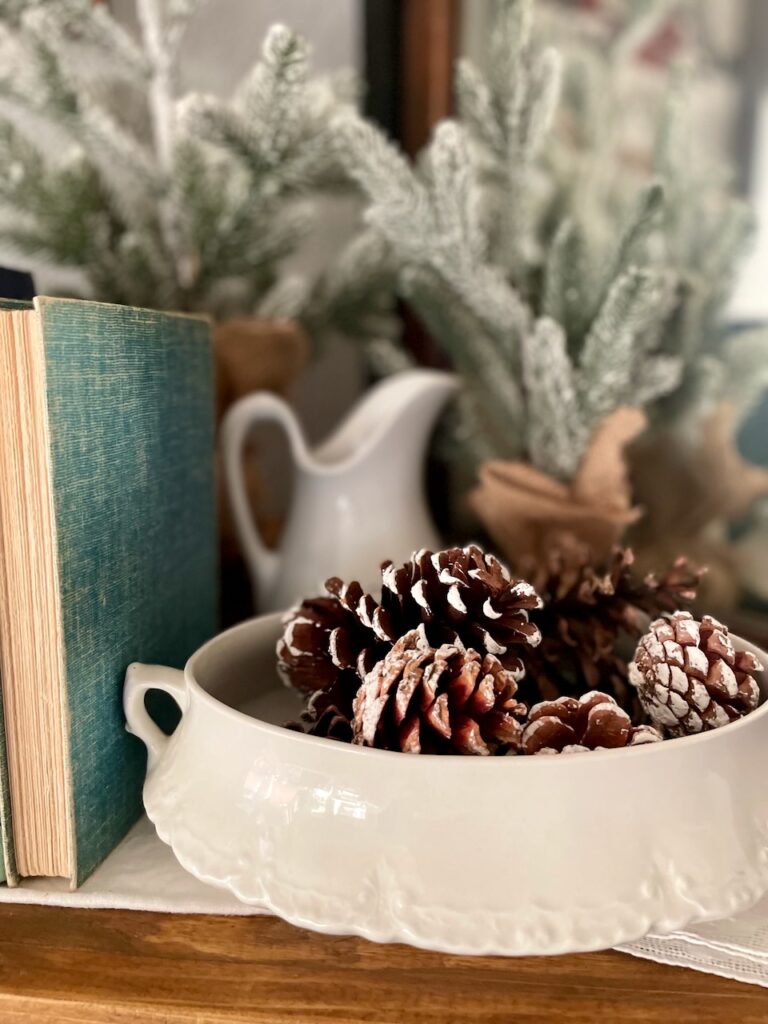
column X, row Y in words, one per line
column 286, row 49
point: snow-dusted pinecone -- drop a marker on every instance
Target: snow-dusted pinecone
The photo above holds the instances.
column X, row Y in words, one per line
column 459, row 594
column 465, row 594
column 422, row 699
column 591, row 611
column 591, row 722
column 689, row 677
column 323, row 637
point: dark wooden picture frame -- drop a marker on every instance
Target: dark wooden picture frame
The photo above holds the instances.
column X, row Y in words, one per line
column 410, row 50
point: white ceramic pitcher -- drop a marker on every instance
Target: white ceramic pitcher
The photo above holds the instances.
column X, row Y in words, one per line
column 357, row 499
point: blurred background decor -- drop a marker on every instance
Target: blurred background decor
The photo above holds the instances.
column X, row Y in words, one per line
column 119, row 186
column 572, row 241
column 559, row 295
column 152, row 197
column 15, row 284
column 575, row 240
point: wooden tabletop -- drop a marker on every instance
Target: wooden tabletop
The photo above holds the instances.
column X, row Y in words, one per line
column 109, row 967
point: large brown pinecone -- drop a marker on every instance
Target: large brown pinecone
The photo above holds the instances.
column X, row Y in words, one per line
column 463, row 593
column 343, row 631
column 327, row 646
column 591, row 617
column 458, row 594
column 593, row 722
column 689, row 677
column 447, row 699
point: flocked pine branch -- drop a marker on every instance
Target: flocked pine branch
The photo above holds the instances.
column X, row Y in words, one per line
column 557, row 432
column 700, row 230
column 559, row 279
column 155, row 198
column 509, row 112
column 613, row 349
column 552, row 338
column 433, row 220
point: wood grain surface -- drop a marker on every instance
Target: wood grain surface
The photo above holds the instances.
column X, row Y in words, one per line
column 110, row 967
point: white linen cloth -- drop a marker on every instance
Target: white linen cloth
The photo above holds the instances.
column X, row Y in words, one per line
column 143, row 874
column 140, row 874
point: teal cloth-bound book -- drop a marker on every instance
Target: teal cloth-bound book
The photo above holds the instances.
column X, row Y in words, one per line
column 128, row 400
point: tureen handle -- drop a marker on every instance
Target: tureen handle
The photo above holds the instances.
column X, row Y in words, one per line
column 138, row 680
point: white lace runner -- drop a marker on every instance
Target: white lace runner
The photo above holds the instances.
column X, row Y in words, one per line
column 736, row 947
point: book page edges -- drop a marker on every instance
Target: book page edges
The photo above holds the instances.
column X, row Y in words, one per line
column 36, row 704
column 65, row 723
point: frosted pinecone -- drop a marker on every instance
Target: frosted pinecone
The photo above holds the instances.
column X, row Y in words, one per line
column 690, row 678
column 459, row 595
column 592, row 612
column 593, row 721
column 345, row 632
column 464, row 594
column 422, row 699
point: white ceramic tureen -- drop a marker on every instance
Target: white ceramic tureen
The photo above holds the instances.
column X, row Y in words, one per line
column 517, row 855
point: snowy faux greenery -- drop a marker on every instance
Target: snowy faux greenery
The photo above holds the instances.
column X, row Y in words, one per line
column 153, row 198
column 559, row 295
column 593, row 166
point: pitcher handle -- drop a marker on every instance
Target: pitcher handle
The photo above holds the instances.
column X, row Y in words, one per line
column 138, row 680
column 240, row 419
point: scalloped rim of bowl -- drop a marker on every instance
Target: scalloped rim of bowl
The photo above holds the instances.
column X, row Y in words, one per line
column 739, row 897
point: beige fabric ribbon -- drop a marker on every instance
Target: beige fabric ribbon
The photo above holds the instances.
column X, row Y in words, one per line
column 527, row 512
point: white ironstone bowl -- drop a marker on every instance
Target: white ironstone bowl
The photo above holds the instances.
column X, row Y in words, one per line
column 513, row 856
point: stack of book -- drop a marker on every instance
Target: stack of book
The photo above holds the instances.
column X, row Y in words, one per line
column 107, row 556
